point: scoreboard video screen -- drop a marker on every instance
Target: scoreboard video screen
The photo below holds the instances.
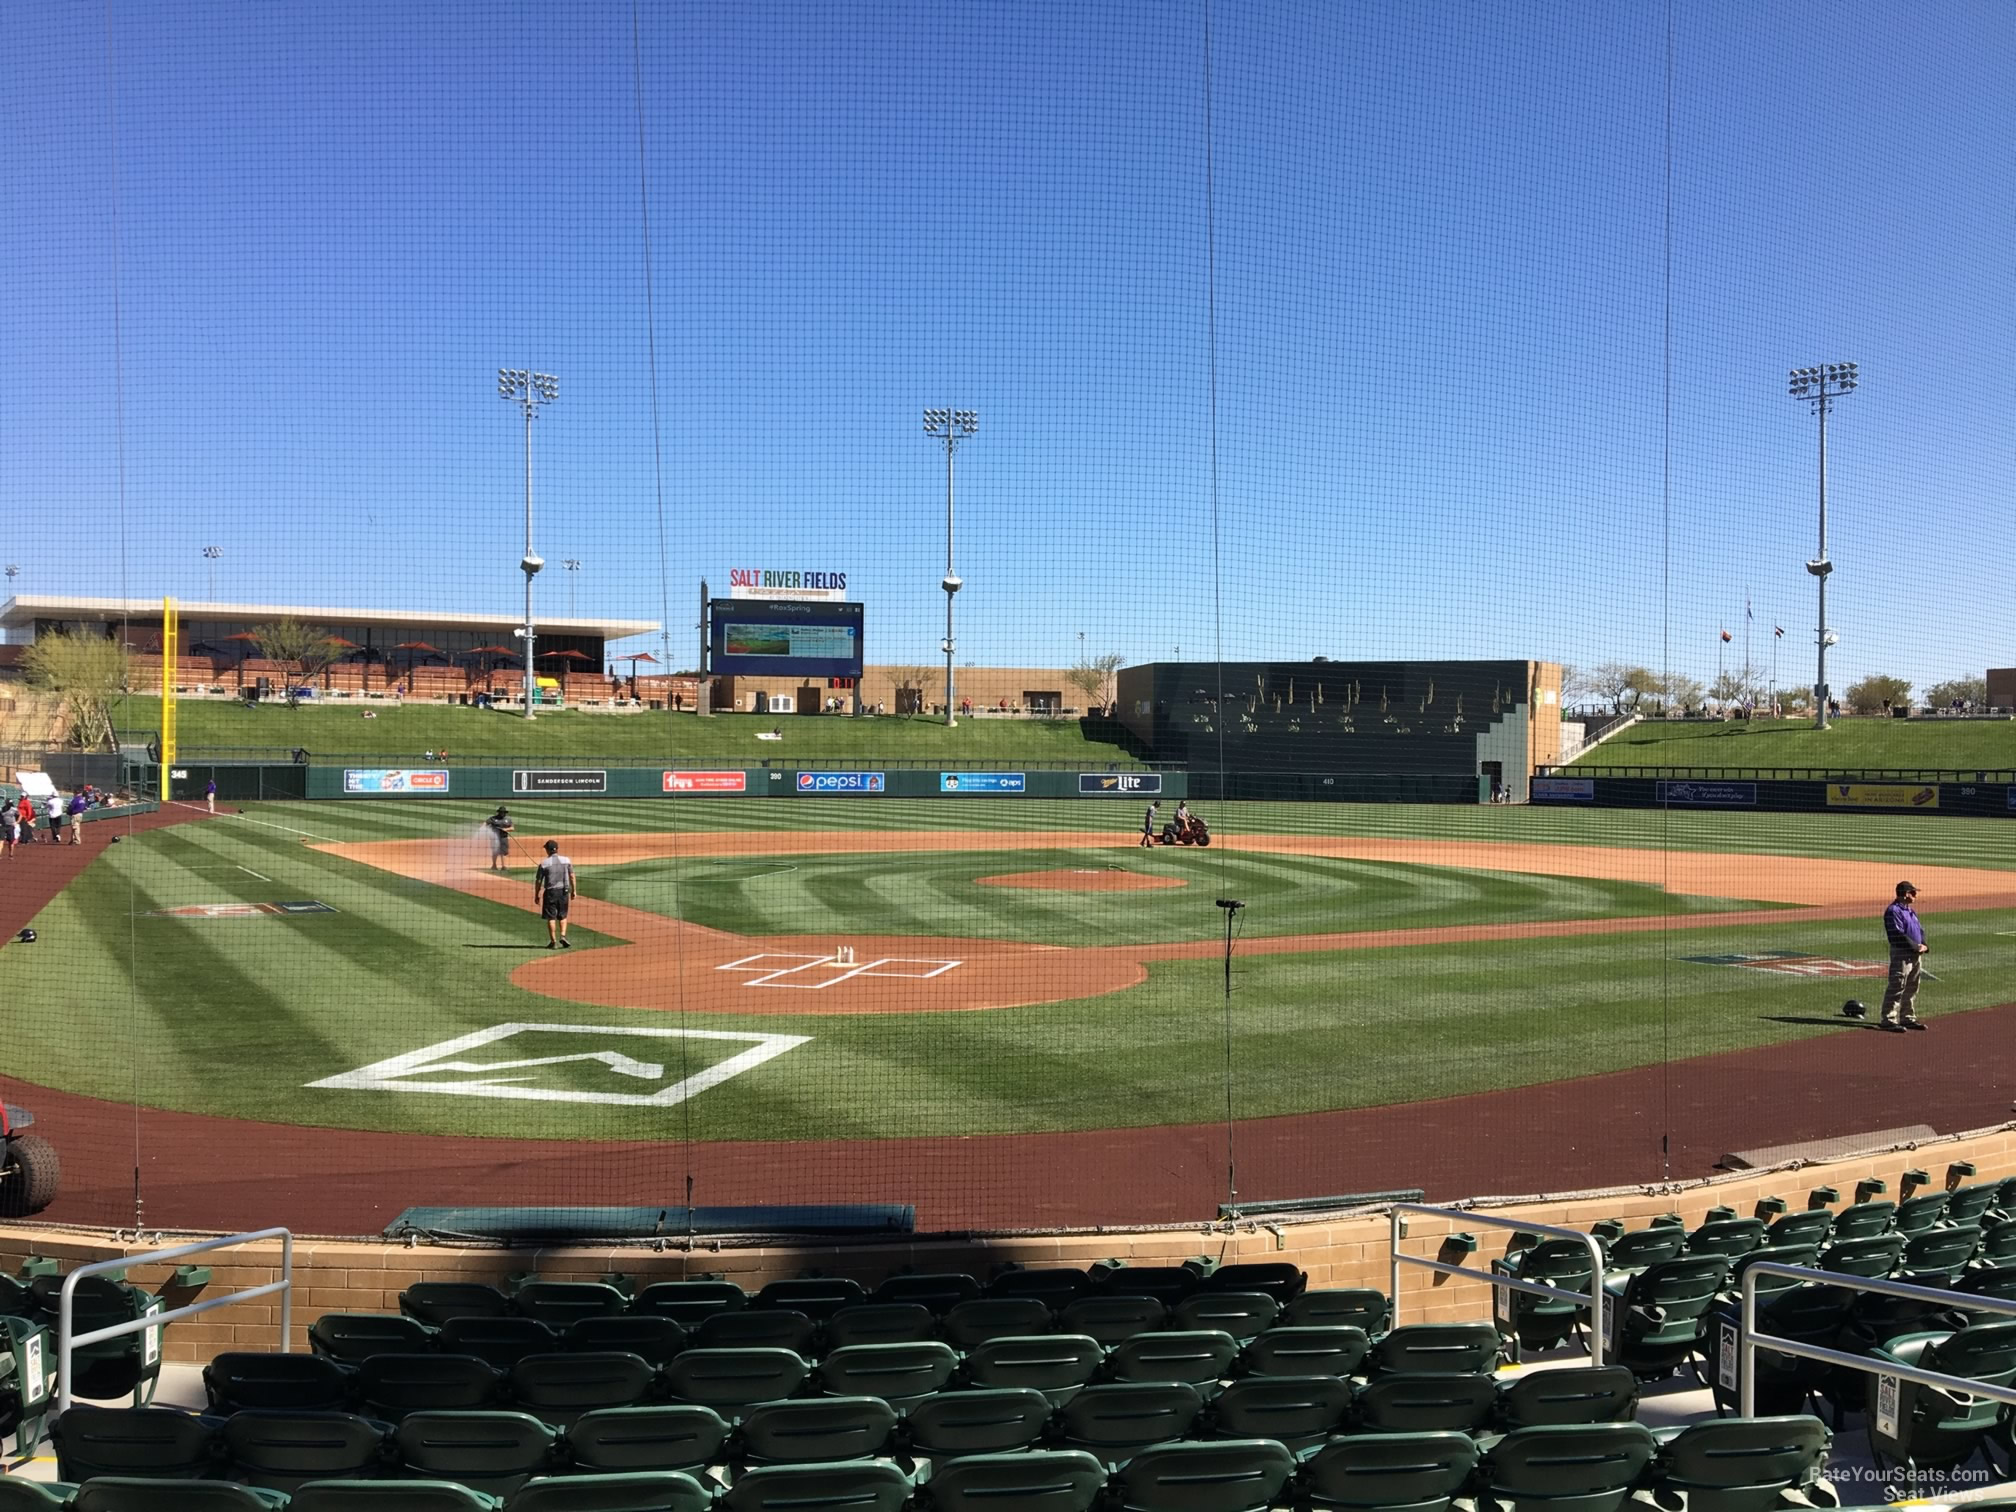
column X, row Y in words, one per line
column 784, row 638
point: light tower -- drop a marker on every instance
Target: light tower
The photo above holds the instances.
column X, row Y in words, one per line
column 528, row 390
column 210, row 555
column 1820, row 387
column 950, row 427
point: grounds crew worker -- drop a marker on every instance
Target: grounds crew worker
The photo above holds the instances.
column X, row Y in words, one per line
column 553, row 886
column 499, row 825
column 1907, row 951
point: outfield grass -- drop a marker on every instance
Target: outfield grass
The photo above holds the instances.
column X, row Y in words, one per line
column 407, row 730
column 1855, row 744
column 239, row 1016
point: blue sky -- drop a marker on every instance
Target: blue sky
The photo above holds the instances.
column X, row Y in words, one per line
column 1437, row 263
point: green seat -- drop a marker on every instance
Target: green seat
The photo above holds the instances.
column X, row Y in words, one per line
column 1532, row 1322
column 1066, row 1480
column 1117, row 1420
column 1657, row 1317
column 1299, row 1412
column 389, row 1496
column 498, row 1342
column 27, row 1379
column 881, row 1323
column 618, row 1440
column 688, row 1303
column 1727, row 1237
column 1228, row 1475
column 1642, row 1247
column 856, row 1486
column 1863, row 1220
column 1776, row 1254
column 758, row 1328
column 1806, row 1314
column 1168, row 1284
column 1110, row 1319
column 1936, row 1256
column 900, row 1374
column 19, row 1494
column 493, row 1452
column 558, row 1388
column 125, row 1493
column 728, row 1380
column 1055, row 1286
column 357, row 1336
column 559, row 1303
column 1930, row 1427
column 127, row 1365
column 1573, row 1394
column 1243, row 1315
column 1998, row 1281
column 1998, row 1243
column 1056, row 1364
column 435, row 1302
column 815, row 1429
column 1277, row 1278
column 1335, row 1350
column 1871, row 1255
column 391, row 1385
column 971, row 1324
column 953, row 1424
column 1762, row 1464
column 1437, row 1348
column 1970, row 1204
column 1341, row 1307
column 1390, row 1472
column 1427, row 1402
column 1567, row 1467
column 648, row 1337
column 941, row 1291
column 1915, row 1215
column 1813, row 1226
column 135, row 1441
column 279, row 1451
column 1200, row 1357
column 817, row 1297
column 236, row 1380
column 644, row 1491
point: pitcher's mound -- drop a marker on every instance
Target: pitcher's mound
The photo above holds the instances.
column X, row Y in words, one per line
column 1089, row 880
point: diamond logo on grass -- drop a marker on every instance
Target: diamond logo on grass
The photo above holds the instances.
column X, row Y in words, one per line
column 1793, row 963
column 579, row 1063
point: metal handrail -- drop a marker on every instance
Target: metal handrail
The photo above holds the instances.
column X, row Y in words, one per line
column 66, row 1342
column 1750, row 1341
column 1592, row 1299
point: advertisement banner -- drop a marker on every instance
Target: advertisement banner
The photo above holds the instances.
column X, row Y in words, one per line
column 1709, row 794
column 840, row 782
column 2012, row 799
column 393, row 780
column 1896, row 795
column 982, row 782
column 560, row 782
column 706, row 782
column 1129, row 784
column 1563, row 790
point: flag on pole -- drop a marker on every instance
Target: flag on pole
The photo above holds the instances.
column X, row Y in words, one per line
column 1778, row 632
column 1746, row 610
column 1727, row 636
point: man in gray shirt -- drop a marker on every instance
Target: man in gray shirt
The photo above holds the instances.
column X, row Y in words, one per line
column 553, row 887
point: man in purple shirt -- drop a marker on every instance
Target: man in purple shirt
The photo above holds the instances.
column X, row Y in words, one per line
column 1907, row 947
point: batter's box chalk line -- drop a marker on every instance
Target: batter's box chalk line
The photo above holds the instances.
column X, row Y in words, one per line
column 810, row 973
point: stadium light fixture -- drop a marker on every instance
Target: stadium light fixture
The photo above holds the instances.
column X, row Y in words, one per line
column 210, row 555
column 573, row 565
column 949, row 427
column 1820, row 387
column 528, row 390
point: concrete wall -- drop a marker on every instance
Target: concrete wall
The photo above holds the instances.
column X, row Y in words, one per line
column 348, row 1276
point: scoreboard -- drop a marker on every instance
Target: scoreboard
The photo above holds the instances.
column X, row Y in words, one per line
column 784, row 638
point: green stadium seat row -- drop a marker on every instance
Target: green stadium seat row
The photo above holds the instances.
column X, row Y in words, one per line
column 1736, row 1465
column 1109, row 1319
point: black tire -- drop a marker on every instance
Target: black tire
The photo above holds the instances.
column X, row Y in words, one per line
column 1203, row 839
column 30, row 1177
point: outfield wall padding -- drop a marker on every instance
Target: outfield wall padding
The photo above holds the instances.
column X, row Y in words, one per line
column 1954, row 800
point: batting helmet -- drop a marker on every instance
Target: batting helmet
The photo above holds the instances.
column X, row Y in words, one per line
column 1855, row 1008
column 27, row 937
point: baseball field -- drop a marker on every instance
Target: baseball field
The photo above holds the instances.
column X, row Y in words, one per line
column 916, row 1001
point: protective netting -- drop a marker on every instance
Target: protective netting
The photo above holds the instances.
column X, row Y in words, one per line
column 1367, row 426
